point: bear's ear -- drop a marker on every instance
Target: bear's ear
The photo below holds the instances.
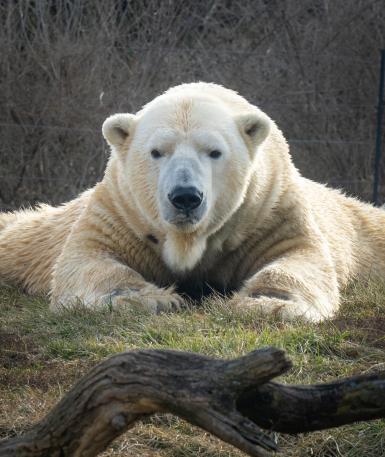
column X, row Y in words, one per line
column 254, row 127
column 117, row 128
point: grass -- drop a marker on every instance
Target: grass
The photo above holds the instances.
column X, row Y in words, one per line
column 42, row 354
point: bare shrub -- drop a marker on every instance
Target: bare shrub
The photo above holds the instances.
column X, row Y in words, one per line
column 66, row 64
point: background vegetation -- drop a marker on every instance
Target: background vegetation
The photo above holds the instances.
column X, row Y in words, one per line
column 66, row 64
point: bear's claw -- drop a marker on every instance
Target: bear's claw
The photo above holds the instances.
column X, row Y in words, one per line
column 151, row 299
column 279, row 307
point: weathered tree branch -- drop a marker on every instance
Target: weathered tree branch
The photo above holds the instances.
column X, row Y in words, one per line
column 298, row 409
column 230, row 399
column 125, row 387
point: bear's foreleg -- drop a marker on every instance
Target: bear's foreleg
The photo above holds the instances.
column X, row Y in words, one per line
column 298, row 284
column 104, row 281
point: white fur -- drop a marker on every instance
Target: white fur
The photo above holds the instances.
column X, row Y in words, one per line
column 287, row 245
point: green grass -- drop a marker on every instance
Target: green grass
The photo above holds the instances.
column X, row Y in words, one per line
column 42, row 354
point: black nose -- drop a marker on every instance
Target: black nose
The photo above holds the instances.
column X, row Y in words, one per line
column 185, row 198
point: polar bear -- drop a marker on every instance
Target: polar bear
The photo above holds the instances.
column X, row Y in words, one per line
column 199, row 193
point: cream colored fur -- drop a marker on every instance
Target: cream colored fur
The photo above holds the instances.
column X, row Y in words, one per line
column 287, row 245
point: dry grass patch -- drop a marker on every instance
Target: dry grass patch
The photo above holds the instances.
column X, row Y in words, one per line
column 42, row 354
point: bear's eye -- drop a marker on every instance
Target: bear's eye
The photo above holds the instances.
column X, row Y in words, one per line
column 155, row 154
column 215, row 154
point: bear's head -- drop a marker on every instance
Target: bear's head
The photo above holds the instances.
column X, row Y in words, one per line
column 186, row 159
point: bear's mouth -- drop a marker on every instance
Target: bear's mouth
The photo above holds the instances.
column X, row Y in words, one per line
column 185, row 218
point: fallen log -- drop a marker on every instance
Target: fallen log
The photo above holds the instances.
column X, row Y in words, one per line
column 231, row 399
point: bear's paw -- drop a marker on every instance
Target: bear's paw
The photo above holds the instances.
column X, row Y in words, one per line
column 150, row 299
